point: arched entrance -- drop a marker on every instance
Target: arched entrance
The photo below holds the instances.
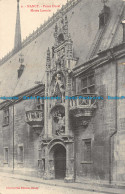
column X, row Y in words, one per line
column 57, row 158
column 60, row 162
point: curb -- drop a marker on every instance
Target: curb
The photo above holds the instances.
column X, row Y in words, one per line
column 64, row 186
column 113, row 186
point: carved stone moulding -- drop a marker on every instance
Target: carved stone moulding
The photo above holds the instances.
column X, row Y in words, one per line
column 82, row 121
column 37, row 129
column 45, row 141
column 64, row 138
column 81, row 117
column 68, row 139
column 82, row 112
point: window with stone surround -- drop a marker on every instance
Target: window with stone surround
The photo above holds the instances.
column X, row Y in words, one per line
column 20, row 154
column 40, row 104
column 87, row 150
column 6, row 117
column 88, row 84
column 6, row 155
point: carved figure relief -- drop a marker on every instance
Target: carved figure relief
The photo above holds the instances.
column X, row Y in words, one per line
column 59, row 86
column 59, row 119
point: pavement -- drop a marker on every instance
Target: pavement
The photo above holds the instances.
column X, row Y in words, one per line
column 92, row 187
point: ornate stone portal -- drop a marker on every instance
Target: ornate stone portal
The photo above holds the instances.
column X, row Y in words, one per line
column 57, row 141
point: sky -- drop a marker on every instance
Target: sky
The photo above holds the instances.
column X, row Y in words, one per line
column 29, row 20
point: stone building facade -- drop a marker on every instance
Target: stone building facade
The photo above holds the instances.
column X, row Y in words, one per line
column 79, row 132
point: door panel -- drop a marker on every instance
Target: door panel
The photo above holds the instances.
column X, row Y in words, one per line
column 60, row 163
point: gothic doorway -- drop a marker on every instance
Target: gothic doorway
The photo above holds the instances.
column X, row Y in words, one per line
column 60, row 162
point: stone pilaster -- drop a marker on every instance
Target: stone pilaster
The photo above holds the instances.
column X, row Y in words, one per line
column 46, row 173
column 67, row 107
column 50, row 126
column 69, row 163
column 46, row 106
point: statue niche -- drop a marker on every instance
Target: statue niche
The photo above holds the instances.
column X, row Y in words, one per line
column 58, row 88
column 59, row 121
column 60, row 38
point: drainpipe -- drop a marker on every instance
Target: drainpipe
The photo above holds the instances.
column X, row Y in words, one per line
column 74, row 157
column 123, row 24
column 13, row 138
column 116, row 124
column 110, row 155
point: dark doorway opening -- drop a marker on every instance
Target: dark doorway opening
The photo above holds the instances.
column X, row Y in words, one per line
column 60, row 162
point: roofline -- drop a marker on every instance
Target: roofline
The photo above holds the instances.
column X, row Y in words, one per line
column 53, row 19
column 31, row 89
column 36, row 89
column 102, row 58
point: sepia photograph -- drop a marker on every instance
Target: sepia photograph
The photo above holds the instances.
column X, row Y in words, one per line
column 62, row 96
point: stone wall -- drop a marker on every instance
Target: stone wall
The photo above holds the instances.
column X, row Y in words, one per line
column 101, row 125
column 23, row 135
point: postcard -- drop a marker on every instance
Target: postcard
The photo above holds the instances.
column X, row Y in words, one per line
column 62, row 96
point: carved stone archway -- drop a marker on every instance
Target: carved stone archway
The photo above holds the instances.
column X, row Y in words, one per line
column 57, row 161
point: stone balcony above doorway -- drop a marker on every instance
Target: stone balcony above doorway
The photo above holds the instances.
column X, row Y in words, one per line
column 83, row 107
column 35, row 118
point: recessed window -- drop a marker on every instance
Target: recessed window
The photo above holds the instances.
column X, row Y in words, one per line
column 6, row 155
column 84, row 82
column 5, row 116
column 87, row 150
column 88, row 84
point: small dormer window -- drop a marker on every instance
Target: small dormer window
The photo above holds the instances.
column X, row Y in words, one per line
column 104, row 16
column 101, row 21
column 20, row 70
